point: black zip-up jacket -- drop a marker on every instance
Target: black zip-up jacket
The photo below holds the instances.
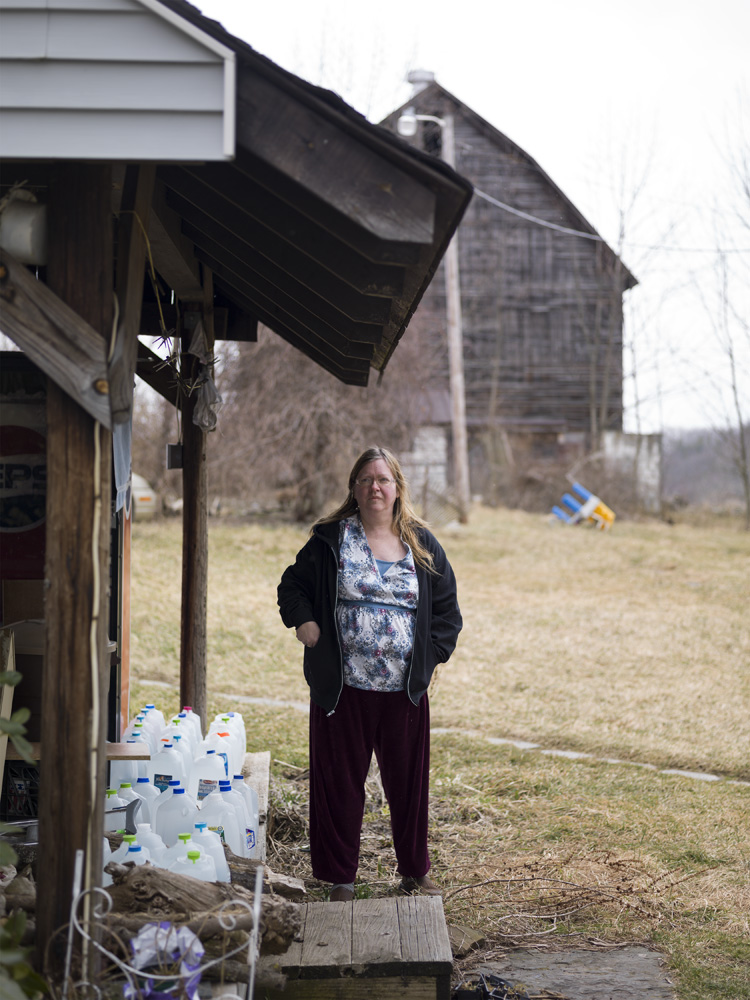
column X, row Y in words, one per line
column 308, row 591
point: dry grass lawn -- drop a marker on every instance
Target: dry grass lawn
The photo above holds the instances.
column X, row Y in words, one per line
column 633, row 644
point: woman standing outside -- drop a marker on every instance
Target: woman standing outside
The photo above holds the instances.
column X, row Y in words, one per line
column 372, row 597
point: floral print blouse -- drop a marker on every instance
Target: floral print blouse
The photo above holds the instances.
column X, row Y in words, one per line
column 375, row 613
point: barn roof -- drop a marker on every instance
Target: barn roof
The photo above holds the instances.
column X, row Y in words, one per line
column 576, row 219
column 323, row 226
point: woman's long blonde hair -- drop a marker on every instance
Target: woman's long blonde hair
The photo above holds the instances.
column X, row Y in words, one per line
column 406, row 521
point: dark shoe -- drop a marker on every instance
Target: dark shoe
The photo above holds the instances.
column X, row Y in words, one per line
column 422, row 885
column 340, row 894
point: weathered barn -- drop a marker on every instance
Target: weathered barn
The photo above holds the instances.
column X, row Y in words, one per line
column 153, row 142
column 542, row 308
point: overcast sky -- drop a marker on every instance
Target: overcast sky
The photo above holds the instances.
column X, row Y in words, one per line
column 596, row 91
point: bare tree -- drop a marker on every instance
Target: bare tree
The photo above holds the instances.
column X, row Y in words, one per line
column 291, row 430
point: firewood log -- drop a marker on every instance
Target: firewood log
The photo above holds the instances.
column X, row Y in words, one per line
column 143, row 893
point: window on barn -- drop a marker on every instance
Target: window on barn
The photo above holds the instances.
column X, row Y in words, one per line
column 432, row 138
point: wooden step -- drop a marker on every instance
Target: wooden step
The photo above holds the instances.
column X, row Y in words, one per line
column 395, row 948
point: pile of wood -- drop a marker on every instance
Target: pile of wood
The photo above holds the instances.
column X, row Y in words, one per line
column 144, row 894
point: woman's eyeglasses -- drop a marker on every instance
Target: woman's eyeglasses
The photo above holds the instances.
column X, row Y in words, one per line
column 368, row 481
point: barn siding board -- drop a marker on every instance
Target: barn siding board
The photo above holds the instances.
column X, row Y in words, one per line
column 539, row 306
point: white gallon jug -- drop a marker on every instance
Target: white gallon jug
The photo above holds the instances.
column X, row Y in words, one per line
column 175, row 816
column 211, row 844
column 206, row 773
column 196, row 865
column 149, row 794
column 220, row 816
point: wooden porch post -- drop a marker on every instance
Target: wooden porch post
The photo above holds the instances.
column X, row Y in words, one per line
column 79, row 469
column 194, row 563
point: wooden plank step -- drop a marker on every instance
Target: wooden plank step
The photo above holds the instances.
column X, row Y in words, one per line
column 379, row 949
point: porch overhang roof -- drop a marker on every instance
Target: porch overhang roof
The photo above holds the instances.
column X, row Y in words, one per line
column 324, row 227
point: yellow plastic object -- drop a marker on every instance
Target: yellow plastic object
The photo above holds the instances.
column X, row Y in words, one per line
column 596, row 512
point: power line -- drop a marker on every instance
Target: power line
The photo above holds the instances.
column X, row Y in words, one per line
column 600, row 239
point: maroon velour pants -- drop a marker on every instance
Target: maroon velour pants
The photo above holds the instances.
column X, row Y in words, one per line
column 341, row 747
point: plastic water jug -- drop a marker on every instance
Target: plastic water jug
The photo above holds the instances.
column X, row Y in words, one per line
column 165, row 766
column 177, row 728
column 138, row 855
column 243, row 817
column 147, row 838
column 121, row 852
column 250, row 796
column 212, row 844
column 178, row 814
column 139, row 728
column 123, row 770
column 196, row 865
column 153, row 713
column 206, row 773
column 141, row 765
column 113, row 821
column 184, row 748
column 179, row 849
column 139, row 732
column 129, row 794
column 195, row 721
column 226, row 744
column 235, row 724
column 163, row 797
column 186, row 725
column 149, row 794
column 226, row 724
column 219, row 815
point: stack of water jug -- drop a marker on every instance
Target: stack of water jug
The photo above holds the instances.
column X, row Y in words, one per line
column 193, row 798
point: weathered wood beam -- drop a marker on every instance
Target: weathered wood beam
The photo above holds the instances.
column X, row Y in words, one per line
column 173, row 252
column 151, row 320
column 194, row 614
column 154, row 372
column 56, row 338
column 332, row 163
column 208, row 307
column 79, row 470
column 239, row 325
column 137, row 193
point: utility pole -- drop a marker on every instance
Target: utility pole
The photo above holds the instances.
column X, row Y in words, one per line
column 454, row 328
column 407, row 126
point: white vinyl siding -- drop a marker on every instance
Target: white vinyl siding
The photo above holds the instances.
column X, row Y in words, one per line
column 111, row 79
